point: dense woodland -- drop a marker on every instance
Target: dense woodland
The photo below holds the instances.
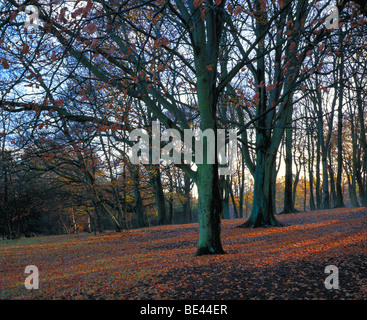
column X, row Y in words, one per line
column 78, row 76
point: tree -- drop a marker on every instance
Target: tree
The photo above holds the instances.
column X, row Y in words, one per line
column 274, row 96
column 289, row 191
column 177, row 62
column 339, row 195
column 126, row 48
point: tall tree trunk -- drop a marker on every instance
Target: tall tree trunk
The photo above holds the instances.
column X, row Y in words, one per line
column 263, row 207
column 170, row 201
column 99, row 227
column 206, row 42
column 275, row 174
column 267, row 140
column 159, row 196
column 339, row 203
column 140, row 220
column 288, row 192
column 325, row 184
column 187, row 205
column 353, row 185
column 324, row 144
column 210, row 210
column 101, row 208
column 73, row 220
column 6, row 195
column 295, row 184
column 242, row 187
column 121, row 218
column 235, row 211
column 311, row 156
column 363, row 187
column 210, row 205
column 89, row 227
column 225, row 192
column 332, row 180
column 305, row 183
column 318, row 174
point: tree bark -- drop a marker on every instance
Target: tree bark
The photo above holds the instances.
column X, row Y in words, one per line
column 159, row 196
column 288, row 187
column 353, row 185
column 362, row 186
column 339, row 203
column 332, row 179
column 170, row 201
column 225, row 192
column 242, row 186
column 140, row 220
column 263, row 210
column 311, row 156
column 187, row 206
column 210, row 210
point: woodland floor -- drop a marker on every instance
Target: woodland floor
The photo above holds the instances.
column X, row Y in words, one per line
column 158, row 262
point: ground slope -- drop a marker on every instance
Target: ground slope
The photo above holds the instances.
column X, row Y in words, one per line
column 158, row 262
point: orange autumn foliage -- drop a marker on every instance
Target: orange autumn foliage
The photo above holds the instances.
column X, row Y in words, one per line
column 158, row 262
